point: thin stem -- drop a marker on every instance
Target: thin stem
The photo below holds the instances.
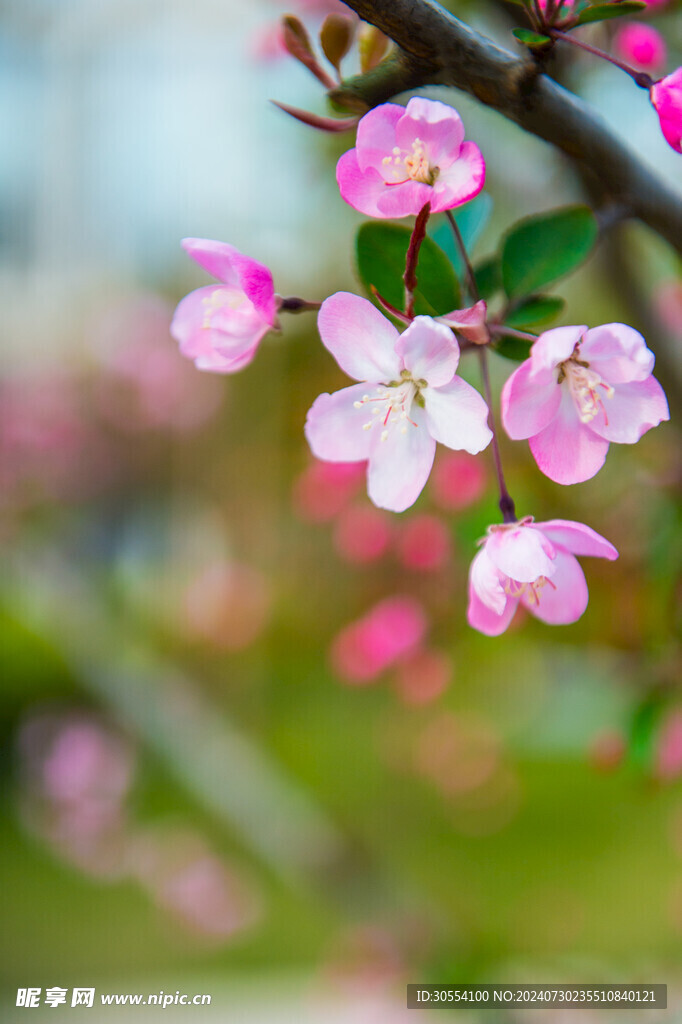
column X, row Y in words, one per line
column 507, row 507
column 500, row 329
column 643, row 80
column 469, row 270
column 292, row 304
column 412, row 257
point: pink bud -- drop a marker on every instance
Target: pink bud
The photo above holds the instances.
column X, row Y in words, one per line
column 470, row 323
column 641, row 45
column 666, row 96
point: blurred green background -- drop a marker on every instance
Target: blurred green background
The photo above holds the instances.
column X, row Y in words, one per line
column 203, row 793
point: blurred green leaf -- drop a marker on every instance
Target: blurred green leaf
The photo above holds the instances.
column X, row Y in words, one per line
column 601, row 12
column 535, row 311
column 512, row 348
column 488, row 276
column 532, row 39
column 381, row 250
column 542, row 248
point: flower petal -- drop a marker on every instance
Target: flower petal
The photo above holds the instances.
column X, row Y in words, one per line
column 530, row 400
column 360, row 189
column 461, row 181
column 633, row 409
column 521, row 553
column 334, row 427
column 234, row 268
column 219, row 335
column 555, row 346
column 484, row 619
column 399, row 466
column 436, row 124
column 577, row 538
column 457, row 416
column 404, row 200
column 376, row 136
column 568, row 451
column 563, row 599
column 429, row 351
column 618, row 353
column 362, row 341
column 486, row 580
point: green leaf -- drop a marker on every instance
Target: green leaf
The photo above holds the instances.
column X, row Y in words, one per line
column 535, row 311
column 488, row 276
column 603, row 11
column 532, row 39
column 539, row 249
column 471, row 220
column 381, row 250
column 512, row 348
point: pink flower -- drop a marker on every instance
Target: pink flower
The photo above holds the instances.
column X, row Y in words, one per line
column 532, row 563
column 641, row 45
column 470, row 323
column 388, row 632
column 580, row 390
column 405, row 157
column 411, row 398
column 220, row 326
column 666, row 96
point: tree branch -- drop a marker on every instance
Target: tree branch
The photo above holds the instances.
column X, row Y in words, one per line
column 435, row 48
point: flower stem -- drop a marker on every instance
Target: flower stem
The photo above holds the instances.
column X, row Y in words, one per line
column 469, row 270
column 641, row 78
column 410, row 275
column 500, row 329
column 506, row 503
column 292, row 304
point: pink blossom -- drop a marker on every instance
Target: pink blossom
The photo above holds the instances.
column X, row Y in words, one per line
column 405, row 157
column 666, row 96
column 470, row 323
column 641, row 45
column 389, row 632
column 534, row 564
column 580, row 390
column 220, row 326
column 411, row 398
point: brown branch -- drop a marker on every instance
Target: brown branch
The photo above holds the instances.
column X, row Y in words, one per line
column 435, row 48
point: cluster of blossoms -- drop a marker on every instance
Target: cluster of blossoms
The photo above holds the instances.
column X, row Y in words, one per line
column 578, row 391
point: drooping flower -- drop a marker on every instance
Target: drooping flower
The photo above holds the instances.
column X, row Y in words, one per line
column 666, row 96
column 641, row 45
column 580, row 390
column 532, row 563
column 405, row 157
column 411, row 398
column 220, row 326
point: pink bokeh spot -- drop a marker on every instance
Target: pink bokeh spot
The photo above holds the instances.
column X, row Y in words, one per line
column 424, row 543
column 532, row 564
column 405, row 157
column 668, row 755
column 641, row 45
column 221, row 326
column 666, row 96
column 410, row 399
column 423, row 676
column 362, row 534
column 367, row 647
column 324, row 489
column 458, row 480
column 579, row 391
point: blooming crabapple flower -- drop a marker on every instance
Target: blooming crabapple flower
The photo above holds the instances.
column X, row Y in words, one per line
column 532, row 563
column 405, row 157
column 220, row 326
column 411, row 398
column 641, row 45
column 580, row 390
column 666, row 96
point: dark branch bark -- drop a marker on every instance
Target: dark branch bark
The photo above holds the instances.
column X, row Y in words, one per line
column 438, row 49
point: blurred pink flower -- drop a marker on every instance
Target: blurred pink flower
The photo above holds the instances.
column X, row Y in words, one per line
column 324, row 489
column 423, row 676
column 668, row 754
column 362, row 534
column 424, row 543
column 458, row 480
column 641, row 45
column 410, row 392
column 580, row 390
column 534, row 564
column 405, row 157
column 666, row 96
column 668, row 300
column 227, row 604
column 364, row 649
column 221, row 326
